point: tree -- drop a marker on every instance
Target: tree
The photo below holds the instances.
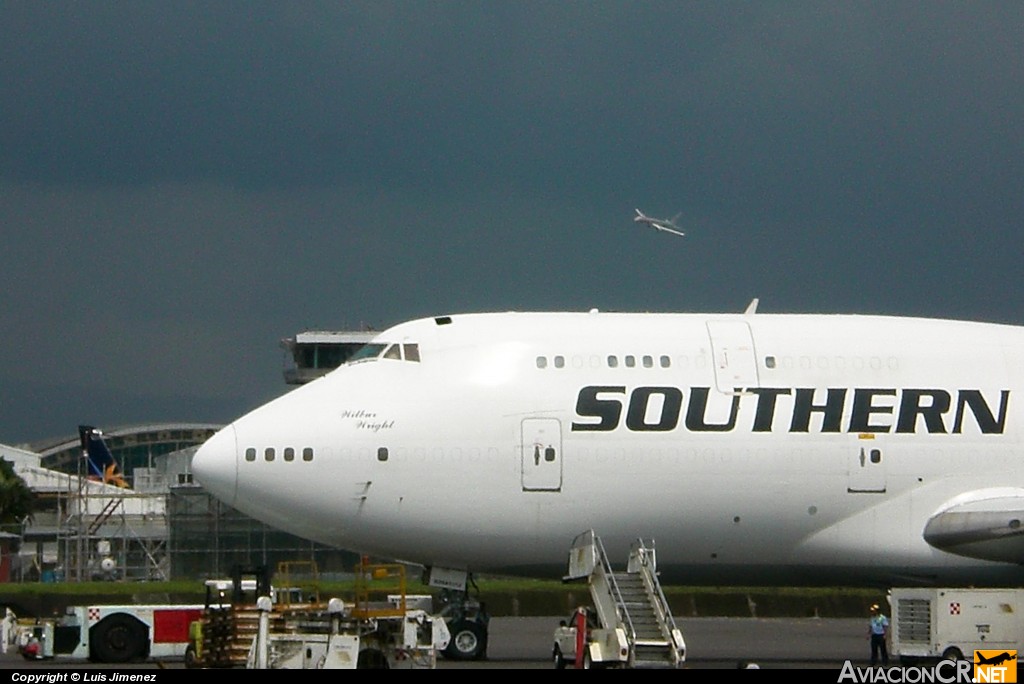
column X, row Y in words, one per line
column 16, row 499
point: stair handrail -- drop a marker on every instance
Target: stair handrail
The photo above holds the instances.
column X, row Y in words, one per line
column 620, row 603
column 661, row 600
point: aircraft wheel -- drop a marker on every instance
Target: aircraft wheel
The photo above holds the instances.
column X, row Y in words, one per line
column 952, row 653
column 468, row 642
column 118, row 639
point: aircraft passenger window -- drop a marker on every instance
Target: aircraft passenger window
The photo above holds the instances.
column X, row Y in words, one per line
column 665, row 361
column 289, row 454
column 382, row 454
column 268, row 454
column 542, row 362
column 367, row 351
column 613, row 361
column 412, row 352
column 393, row 352
column 250, row 454
column 630, row 362
column 549, row 454
column 307, row 454
column 876, row 456
column 559, row 362
column 648, row 362
column 769, row 361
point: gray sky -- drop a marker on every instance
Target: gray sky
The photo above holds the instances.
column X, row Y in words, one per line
column 183, row 184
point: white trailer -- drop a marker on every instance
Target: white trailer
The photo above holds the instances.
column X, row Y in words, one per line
column 952, row 623
column 110, row 634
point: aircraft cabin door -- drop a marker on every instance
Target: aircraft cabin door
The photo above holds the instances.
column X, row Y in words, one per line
column 732, row 346
column 541, row 454
column 866, row 469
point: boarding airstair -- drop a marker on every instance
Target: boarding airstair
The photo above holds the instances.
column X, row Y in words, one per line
column 631, row 607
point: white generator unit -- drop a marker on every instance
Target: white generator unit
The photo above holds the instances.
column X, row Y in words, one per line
column 952, row 623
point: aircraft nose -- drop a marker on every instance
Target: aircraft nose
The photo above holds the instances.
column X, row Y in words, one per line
column 215, row 465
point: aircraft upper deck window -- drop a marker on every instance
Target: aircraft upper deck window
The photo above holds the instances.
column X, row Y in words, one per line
column 393, row 352
column 412, row 352
column 367, row 351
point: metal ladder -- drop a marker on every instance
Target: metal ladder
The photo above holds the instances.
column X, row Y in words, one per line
column 632, row 601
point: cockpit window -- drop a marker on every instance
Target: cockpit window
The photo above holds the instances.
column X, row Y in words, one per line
column 368, row 351
column 396, row 352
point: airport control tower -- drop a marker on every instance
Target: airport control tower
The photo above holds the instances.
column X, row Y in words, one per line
column 313, row 353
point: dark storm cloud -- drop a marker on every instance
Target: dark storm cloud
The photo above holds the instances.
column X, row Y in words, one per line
column 181, row 184
column 843, row 98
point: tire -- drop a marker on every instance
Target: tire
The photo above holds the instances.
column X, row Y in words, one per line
column 371, row 659
column 952, row 653
column 118, row 638
column 191, row 660
column 468, row 642
column 560, row 662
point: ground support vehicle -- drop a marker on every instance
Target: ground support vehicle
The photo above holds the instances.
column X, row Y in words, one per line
column 341, row 639
column 109, row 634
column 630, row 624
column 952, row 623
column 383, row 627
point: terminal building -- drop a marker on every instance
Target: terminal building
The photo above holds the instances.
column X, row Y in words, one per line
column 152, row 521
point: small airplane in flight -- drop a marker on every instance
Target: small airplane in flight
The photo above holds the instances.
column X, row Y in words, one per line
column 665, row 225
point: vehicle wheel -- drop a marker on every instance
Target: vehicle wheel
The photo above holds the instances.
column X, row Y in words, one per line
column 372, row 659
column 118, row 639
column 468, row 642
column 559, row 659
column 952, row 653
column 191, row 660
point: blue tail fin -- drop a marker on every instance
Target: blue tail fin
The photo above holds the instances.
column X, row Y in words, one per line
column 102, row 465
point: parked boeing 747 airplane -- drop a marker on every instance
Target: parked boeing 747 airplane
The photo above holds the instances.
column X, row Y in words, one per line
column 753, row 448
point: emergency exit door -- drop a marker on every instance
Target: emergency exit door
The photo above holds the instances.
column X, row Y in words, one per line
column 733, row 348
column 866, row 469
column 541, row 454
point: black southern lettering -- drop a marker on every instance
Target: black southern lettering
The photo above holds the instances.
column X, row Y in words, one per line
column 607, row 410
column 863, row 407
column 910, row 409
column 698, row 408
column 669, row 418
column 987, row 423
column 831, row 410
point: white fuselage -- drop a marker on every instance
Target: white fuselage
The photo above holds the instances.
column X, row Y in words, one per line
column 759, row 449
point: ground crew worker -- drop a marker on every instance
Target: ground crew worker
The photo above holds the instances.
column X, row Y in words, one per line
column 878, row 629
